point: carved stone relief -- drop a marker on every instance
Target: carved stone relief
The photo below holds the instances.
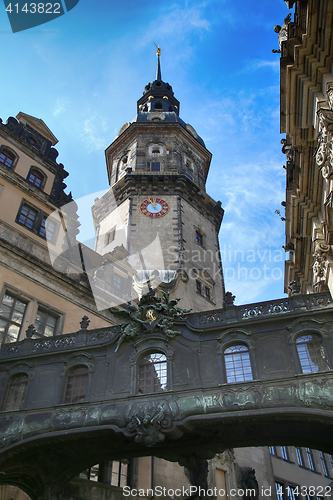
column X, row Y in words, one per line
column 324, row 152
column 148, row 421
column 320, row 266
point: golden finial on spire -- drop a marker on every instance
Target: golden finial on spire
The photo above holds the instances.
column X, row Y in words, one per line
column 158, row 53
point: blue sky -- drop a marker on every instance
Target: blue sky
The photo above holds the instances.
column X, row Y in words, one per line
column 83, row 73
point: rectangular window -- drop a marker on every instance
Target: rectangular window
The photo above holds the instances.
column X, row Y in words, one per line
column 117, row 282
column 323, row 462
column 284, row 453
column 27, row 216
column 279, row 490
column 45, row 323
column 119, row 473
column 16, row 392
column 6, row 158
column 155, row 166
column 198, row 285
column 198, row 237
column 11, row 317
column 299, row 456
column 207, row 292
column 115, row 473
column 272, row 450
column 310, row 459
column 293, row 492
column 47, row 229
column 77, row 382
column 330, row 457
column 110, row 236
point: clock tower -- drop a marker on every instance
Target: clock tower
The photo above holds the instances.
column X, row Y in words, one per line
column 157, row 209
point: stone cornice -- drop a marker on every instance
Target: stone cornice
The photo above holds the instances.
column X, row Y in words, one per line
column 137, row 129
column 165, row 184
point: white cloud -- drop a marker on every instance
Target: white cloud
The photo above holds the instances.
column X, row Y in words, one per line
column 93, row 126
column 60, row 106
column 257, row 64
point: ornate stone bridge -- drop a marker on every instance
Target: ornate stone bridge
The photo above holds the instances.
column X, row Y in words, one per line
column 241, row 376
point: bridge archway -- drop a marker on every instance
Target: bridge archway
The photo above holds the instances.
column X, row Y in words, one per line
column 196, row 415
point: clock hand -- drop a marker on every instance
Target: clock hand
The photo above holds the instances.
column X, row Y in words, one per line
column 153, row 203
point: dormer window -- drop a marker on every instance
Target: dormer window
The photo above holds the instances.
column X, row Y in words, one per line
column 7, row 158
column 36, row 177
column 155, row 149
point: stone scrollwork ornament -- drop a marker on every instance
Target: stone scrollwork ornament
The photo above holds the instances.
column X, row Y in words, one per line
column 148, row 424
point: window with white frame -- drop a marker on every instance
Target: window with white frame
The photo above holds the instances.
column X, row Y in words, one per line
column 45, row 323
column 299, row 456
column 279, row 488
column 7, row 157
column 38, row 222
column 310, row 459
column 237, row 363
column 330, row 458
column 27, row 216
column 311, row 353
column 16, row 392
column 114, row 473
column 76, row 385
column 284, row 453
column 323, row 463
column 36, row 177
column 12, row 311
column 152, row 373
column 293, row 492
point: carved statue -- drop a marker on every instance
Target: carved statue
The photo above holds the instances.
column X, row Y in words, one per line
column 283, row 33
column 320, row 266
column 324, row 151
column 229, row 298
column 155, row 314
column 131, row 329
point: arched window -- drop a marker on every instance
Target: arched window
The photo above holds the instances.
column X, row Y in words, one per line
column 237, row 363
column 77, row 385
column 152, row 373
column 16, row 392
column 36, row 177
column 311, row 353
column 7, row 157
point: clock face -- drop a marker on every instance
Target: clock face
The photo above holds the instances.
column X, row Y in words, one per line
column 154, row 207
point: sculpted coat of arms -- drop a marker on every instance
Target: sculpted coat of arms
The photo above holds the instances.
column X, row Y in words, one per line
column 152, row 314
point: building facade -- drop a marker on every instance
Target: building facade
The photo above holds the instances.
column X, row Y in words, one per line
column 157, row 227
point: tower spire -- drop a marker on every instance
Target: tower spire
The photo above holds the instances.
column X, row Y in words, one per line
column 158, row 69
